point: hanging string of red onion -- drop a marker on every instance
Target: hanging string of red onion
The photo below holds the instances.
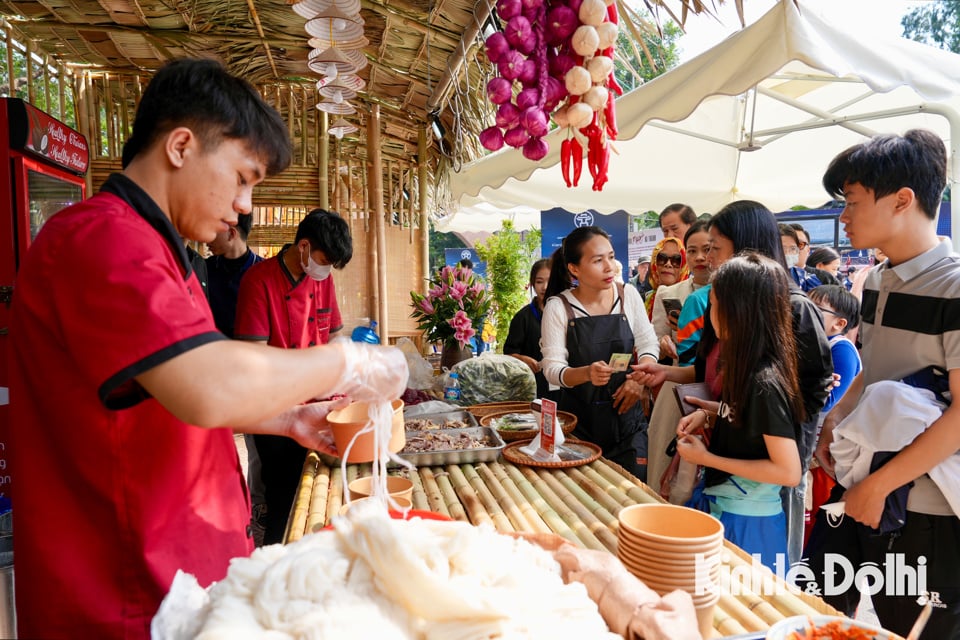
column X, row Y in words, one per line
column 554, row 60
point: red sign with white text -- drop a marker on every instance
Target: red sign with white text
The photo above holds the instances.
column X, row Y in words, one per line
column 45, row 137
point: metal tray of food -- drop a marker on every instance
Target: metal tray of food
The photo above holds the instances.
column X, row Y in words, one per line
column 440, row 420
column 451, row 455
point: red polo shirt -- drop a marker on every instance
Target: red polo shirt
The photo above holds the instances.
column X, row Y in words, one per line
column 113, row 493
column 284, row 311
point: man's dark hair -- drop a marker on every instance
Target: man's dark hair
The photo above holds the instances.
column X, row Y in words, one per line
column 687, row 215
column 328, row 232
column 466, row 263
column 750, row 226
column 202, row 95
column 799, row 228
column 887, row 163
column 789, row 231
column 244, row 223
column 843, row 303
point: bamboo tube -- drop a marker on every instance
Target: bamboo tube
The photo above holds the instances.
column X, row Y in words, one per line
column 602, row 483
column 586, row 536
column 788, row 601
column 62, row 91
column 456, row 510
column 632, row 489
column 422, row 203
column 760, row 607
column 419, row 495
column 317, row 516
column 301, row 503
column 432, row 489
column 533, row 520
column 471, row 502
column 583, row 515
column 28, row 62
column 550, row 517
column 334, row 494
column 598, row 491
column 726, row 624
column 500, row 520
column 46, row 84
column 741, row 613
column 517, row 519
column 599, row 511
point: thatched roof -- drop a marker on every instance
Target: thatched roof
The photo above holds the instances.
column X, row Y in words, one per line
column 413, row 45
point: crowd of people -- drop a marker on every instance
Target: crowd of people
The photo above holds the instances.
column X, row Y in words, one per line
column 132, row 473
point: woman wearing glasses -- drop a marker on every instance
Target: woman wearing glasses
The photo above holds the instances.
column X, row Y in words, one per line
column 582, row 328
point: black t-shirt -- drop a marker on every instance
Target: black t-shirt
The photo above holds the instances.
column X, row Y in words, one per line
column 767, row 412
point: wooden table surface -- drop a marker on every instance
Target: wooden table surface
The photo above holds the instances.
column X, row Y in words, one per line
column 579, row 503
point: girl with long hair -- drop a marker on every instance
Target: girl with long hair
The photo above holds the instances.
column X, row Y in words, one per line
column 523, row 339
column 582, row 327
column 753, row 449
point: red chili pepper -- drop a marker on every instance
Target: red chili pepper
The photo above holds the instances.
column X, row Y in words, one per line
column 576, row 150
column 591, row 128
column 612, row 14
column 611, row 116
column 603, row 168
column 593, row 159
column 613, row 85
column 565, row 160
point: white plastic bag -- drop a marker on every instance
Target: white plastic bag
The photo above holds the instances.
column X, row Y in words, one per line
column 421, row 371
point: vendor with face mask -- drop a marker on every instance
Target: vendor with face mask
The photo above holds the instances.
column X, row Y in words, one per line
column 290, row 301
column 791, row 251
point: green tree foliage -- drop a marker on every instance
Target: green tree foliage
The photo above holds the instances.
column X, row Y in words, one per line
column 509, row 255
column 19, row 88
column 934, row 23
column 663, row 50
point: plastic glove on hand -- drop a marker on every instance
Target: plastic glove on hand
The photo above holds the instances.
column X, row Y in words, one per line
column 371, row 373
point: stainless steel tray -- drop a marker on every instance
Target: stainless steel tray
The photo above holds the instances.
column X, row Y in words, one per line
column 442, row 417
column 456, row 456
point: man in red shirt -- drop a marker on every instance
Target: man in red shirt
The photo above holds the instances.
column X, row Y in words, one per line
column 123, row 389
column 290, row 301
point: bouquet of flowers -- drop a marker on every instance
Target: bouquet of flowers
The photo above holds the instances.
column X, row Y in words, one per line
column 452, row 308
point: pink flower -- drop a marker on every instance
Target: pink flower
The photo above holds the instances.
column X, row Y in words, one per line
column 477, row 288
column 463, row 336
column 458, row 289
column 426, row 306
column 446, row 274
column 460, row 321
column 435, row 293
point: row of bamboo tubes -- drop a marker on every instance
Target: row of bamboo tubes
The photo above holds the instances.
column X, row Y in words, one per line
column 580, row 504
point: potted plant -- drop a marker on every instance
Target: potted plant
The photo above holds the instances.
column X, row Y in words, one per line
column 451, row 311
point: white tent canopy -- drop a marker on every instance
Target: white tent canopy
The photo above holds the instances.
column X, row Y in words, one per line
column 758, row 116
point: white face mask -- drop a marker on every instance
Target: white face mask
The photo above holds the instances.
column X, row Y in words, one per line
column 792, row 260
column 316, row 271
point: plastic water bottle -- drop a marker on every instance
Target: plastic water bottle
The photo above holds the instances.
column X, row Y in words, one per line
column 366, row 334
column 451, row 393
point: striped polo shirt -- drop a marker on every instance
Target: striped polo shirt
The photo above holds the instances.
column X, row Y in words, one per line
column 911, row 320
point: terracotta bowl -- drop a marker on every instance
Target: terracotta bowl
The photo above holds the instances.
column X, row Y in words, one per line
column 662, row 566
column 397, row 488
column 349, row 421
column 669, row 524
column 402, row 503
column 655, row 552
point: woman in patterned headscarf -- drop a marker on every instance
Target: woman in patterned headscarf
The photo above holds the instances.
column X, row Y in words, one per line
column 667, row 266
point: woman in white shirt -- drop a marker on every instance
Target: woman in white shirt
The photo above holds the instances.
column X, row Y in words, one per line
column 582, row 328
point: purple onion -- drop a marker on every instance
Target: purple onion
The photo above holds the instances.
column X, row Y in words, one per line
column 575, row 7
column 535, row 149
column 553, row 90
column 520, row 34
column 497, row 45
column 516, row 137
column 510, row 65
column 491, row 138
column 560, row 64
column 509, row 8
column 561, row 23
column 508, row 115
column 499, row 90
column 534, row 121
column 531, row 6
column 528, row 75
column 527, row 98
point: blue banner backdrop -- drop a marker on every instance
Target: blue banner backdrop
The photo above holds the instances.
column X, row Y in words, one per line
column 452, row 257
column 557, row 223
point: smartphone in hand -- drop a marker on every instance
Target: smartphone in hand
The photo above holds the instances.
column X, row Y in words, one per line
column 672, row 306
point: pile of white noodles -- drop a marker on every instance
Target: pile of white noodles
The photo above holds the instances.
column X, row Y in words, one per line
column 373, row 577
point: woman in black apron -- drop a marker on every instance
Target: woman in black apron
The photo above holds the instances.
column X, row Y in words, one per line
column 581, row 328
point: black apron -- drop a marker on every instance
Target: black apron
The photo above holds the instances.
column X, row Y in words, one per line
column 590, row 339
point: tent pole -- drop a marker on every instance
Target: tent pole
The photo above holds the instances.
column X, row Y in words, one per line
column 953, row 166
column 380, row 248
column 422, row 201
column 324, row 169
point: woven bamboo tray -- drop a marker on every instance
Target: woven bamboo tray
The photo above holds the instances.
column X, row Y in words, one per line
column 485, row 409
column 568, row 422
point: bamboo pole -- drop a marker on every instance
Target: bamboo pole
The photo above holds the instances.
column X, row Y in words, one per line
column 557, row 524
column 632, row 489
column 419, row 501
column 424, row 225
column 725, row 623
column 62, row 90
column 324, row 169
column 432, row 489
column 587, row 526
column 335, row 494
column 31, row 97
column 379, row 254
column 596, row 491
column 500, row 520
column 607, row 517
column 124, row 113
column 46, row 84
column 471, row 501
column 337, row 190
column 111, row 123
column 739, row 611
column 319, row 499
column 534, row 521
column 302, row 501
column 365, row 214
column 11, row 78
column 507, row 504
column 456, row 510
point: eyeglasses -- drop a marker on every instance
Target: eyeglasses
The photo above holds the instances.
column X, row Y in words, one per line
column 792, row 251
column 803, row 245
column 675, row 260
column 830, row 311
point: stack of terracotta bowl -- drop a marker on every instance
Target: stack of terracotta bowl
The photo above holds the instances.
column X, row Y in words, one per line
column 669, row 548
column 347, row 424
